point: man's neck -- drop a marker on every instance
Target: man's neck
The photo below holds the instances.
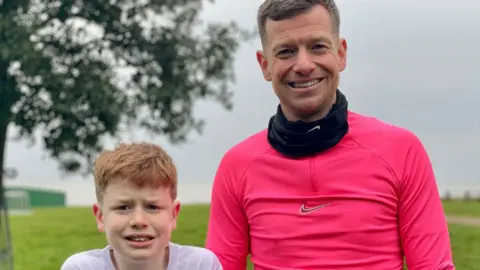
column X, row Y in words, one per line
column 159, row 262
column 311, row 117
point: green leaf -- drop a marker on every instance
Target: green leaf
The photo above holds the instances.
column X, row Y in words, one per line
column 79, row 71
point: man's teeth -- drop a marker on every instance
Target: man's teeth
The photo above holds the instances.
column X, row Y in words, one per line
column 304, row 84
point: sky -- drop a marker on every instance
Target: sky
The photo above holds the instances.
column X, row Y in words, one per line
column 410, row 63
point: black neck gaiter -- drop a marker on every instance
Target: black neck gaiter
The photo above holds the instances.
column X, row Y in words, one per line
column 299, row 139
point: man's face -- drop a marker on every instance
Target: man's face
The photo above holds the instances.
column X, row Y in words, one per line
column 303, row 58
column 137, row 220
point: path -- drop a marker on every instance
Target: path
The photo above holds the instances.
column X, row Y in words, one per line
column 471, row 221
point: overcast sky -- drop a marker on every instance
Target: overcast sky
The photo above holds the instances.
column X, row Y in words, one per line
column 411, row 63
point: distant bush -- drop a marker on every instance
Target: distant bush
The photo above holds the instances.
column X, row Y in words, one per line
column 467, row 196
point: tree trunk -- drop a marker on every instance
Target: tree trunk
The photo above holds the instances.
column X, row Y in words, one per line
column 6, row 101
column 3, row 140
column 5, row 114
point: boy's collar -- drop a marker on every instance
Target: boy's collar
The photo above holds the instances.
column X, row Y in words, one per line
column 113, row 260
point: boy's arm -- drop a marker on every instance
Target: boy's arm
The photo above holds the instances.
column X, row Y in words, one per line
column 69, row 265
column 423, row 227
column 227, row 234
column 208, row 261
column 216, row 265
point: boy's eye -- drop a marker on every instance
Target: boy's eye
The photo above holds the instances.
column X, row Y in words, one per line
column 152, row 207
column 123, row 207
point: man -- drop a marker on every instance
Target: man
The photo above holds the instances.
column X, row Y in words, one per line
column 323, row 187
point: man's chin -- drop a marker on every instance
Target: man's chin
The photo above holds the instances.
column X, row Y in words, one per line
column 311, row 111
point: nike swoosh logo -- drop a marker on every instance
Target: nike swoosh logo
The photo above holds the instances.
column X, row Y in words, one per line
column 314, row 128
column 305, row 210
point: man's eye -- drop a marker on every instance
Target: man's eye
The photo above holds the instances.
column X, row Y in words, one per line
column 319, row 47
column 285, row 52
column 122, row 207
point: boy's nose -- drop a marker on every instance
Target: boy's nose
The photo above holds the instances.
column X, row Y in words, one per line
column 138, row 220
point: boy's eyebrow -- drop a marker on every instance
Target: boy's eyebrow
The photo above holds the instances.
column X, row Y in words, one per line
column 123, row 200
column 152, row 200
column 147, row 200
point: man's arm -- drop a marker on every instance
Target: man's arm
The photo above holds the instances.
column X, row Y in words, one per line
column 423, row 226
column 227, row 234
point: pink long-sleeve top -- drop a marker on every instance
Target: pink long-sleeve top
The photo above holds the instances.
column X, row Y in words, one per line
column 367, row 203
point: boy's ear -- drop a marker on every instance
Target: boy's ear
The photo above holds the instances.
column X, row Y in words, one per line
column 97, row 211
column 175, row 211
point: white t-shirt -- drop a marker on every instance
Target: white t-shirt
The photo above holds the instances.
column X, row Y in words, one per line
column 180, row 258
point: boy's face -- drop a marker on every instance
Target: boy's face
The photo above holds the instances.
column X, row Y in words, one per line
column 137, row 220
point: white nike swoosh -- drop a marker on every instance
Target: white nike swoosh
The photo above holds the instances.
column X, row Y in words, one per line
column 314, row 128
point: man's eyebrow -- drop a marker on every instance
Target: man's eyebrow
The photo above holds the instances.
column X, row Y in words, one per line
column 309, row 39
column 281, row 44
column 321, row 39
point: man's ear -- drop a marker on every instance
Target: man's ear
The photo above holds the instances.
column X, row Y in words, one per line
column 342, row 54
column 97, row 212
column 263, row 62
column 175, row 211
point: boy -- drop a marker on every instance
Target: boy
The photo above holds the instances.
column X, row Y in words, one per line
column 136, row 189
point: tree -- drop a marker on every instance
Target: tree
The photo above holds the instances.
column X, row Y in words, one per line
column 81, row 70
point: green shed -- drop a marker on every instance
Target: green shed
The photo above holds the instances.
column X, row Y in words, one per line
column 25, row 197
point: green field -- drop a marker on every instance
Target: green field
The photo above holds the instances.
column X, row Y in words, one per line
column 44, row 239
column 461, row 208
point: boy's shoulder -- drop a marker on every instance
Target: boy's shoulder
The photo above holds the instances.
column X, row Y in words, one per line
column 183, row 257
column 89, row 260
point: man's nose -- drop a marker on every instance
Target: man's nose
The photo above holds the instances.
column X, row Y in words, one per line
column 304, row 64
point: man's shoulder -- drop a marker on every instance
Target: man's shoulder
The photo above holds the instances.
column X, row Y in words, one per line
column 249, row 148
column 369, row 131
column 256, row 143
column 392, row 144
column 193, row 257
column 90, row 259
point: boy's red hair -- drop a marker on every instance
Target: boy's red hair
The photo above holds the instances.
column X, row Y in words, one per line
column 138, row 163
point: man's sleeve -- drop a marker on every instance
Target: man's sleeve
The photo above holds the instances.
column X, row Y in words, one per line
column 227, row 234
column 423, row 226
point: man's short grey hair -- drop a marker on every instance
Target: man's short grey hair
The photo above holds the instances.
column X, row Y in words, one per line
column 277, row 10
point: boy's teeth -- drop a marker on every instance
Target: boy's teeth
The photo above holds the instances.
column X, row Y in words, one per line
column 304, row 84
column 139, row 239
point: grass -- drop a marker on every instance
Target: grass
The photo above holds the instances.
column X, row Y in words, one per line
column 43, row 240
column 462, row 208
